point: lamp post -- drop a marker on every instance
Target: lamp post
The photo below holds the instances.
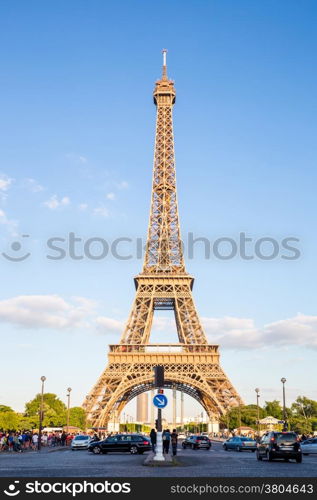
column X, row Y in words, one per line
column 39, row 441
column 257, row 390
column 239, row 418
column 285, row 425
column 68, row 406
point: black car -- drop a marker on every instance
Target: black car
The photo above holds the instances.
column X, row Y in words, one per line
column 279, row 445
column 197, row 441
column 134, row 443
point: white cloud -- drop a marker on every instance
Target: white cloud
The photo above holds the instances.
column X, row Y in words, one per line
column 241, row 333
column 33, row 185
column 10, row 224
column 46, row 311
column 83, row 159
column 5, row 182
column 53, row 203
column 102, row 211
column 110, row 196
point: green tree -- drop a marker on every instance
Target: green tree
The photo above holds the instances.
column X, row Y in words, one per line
column 8, row 421
column 300, row 425
column 273, row 409
column 5, row 408
column 304, row 407
column 248, row 414
column 77, row 417
column 54, row 410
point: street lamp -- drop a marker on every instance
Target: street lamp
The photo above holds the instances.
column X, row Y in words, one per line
column 239, row 417
column 39, row 441
column 257, row 390
column 68, row 406
column 285, row 425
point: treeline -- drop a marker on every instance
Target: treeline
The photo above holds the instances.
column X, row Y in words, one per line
column 54, row 415
column 301, row 415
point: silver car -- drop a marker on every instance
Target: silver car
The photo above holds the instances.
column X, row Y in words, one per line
column 309, row 446
column 80, row 442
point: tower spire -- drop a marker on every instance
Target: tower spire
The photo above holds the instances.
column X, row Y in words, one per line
column 164, row 73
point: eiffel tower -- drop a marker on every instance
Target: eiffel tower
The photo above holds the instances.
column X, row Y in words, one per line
column 192, row 365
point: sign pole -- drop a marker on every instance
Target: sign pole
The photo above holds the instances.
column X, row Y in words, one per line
column 160, row 401
column 159, row 457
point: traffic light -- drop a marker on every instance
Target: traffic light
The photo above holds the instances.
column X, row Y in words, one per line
column 156, row 424
column 160, row 391
column 159, row 376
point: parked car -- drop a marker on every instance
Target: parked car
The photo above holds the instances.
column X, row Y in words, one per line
column 279, row 445
column 309, row 446
column 240, row 443
column 197, row 441
column 80, row 442
column 134, row 443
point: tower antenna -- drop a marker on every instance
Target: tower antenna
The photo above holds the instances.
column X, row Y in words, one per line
column 164, row 52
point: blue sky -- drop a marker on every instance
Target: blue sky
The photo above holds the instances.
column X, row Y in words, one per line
column 77, row 136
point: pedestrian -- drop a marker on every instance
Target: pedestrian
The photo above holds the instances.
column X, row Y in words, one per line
column 3, row 443
column 63, row 438
column 166, row 440
column 16, row 443
column 153, row 439
column 35, row 440
column 10, row 441
column 174, row 437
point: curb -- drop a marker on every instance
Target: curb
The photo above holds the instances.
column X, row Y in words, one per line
column 168, row 462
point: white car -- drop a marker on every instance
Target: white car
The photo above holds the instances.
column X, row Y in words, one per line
column 309, row 446
column 80, row 442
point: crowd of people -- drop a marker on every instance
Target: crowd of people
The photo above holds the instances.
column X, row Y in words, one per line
column 27, row 440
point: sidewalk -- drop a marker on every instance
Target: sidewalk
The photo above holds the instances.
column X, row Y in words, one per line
column 44, row 449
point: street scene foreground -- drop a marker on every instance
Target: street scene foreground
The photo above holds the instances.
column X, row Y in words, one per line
column 216, row 462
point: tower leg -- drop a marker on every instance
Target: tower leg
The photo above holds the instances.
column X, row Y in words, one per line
column 213, row 425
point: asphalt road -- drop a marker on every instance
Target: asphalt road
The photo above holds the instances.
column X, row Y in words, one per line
column 194, row 463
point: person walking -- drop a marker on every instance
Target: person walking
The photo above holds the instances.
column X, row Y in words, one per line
column 166, row 440
column 174, row 437
column 153, row 439
column 35, row 440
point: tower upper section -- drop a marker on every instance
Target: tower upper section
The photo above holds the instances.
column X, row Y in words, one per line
column 164, row 93
column 164, row 252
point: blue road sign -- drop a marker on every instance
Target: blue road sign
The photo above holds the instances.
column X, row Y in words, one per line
column 160, row 401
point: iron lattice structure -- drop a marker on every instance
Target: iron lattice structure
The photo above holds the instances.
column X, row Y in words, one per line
column 192, row 365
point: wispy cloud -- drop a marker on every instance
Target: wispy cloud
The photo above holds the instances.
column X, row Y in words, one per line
column 108, row 325
column 53, row 203
column 110, row 196
column 5, row 182
column 32, row 185
column 76, row 158
column 101, row 211
column 82, row 207
column 122, row 185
